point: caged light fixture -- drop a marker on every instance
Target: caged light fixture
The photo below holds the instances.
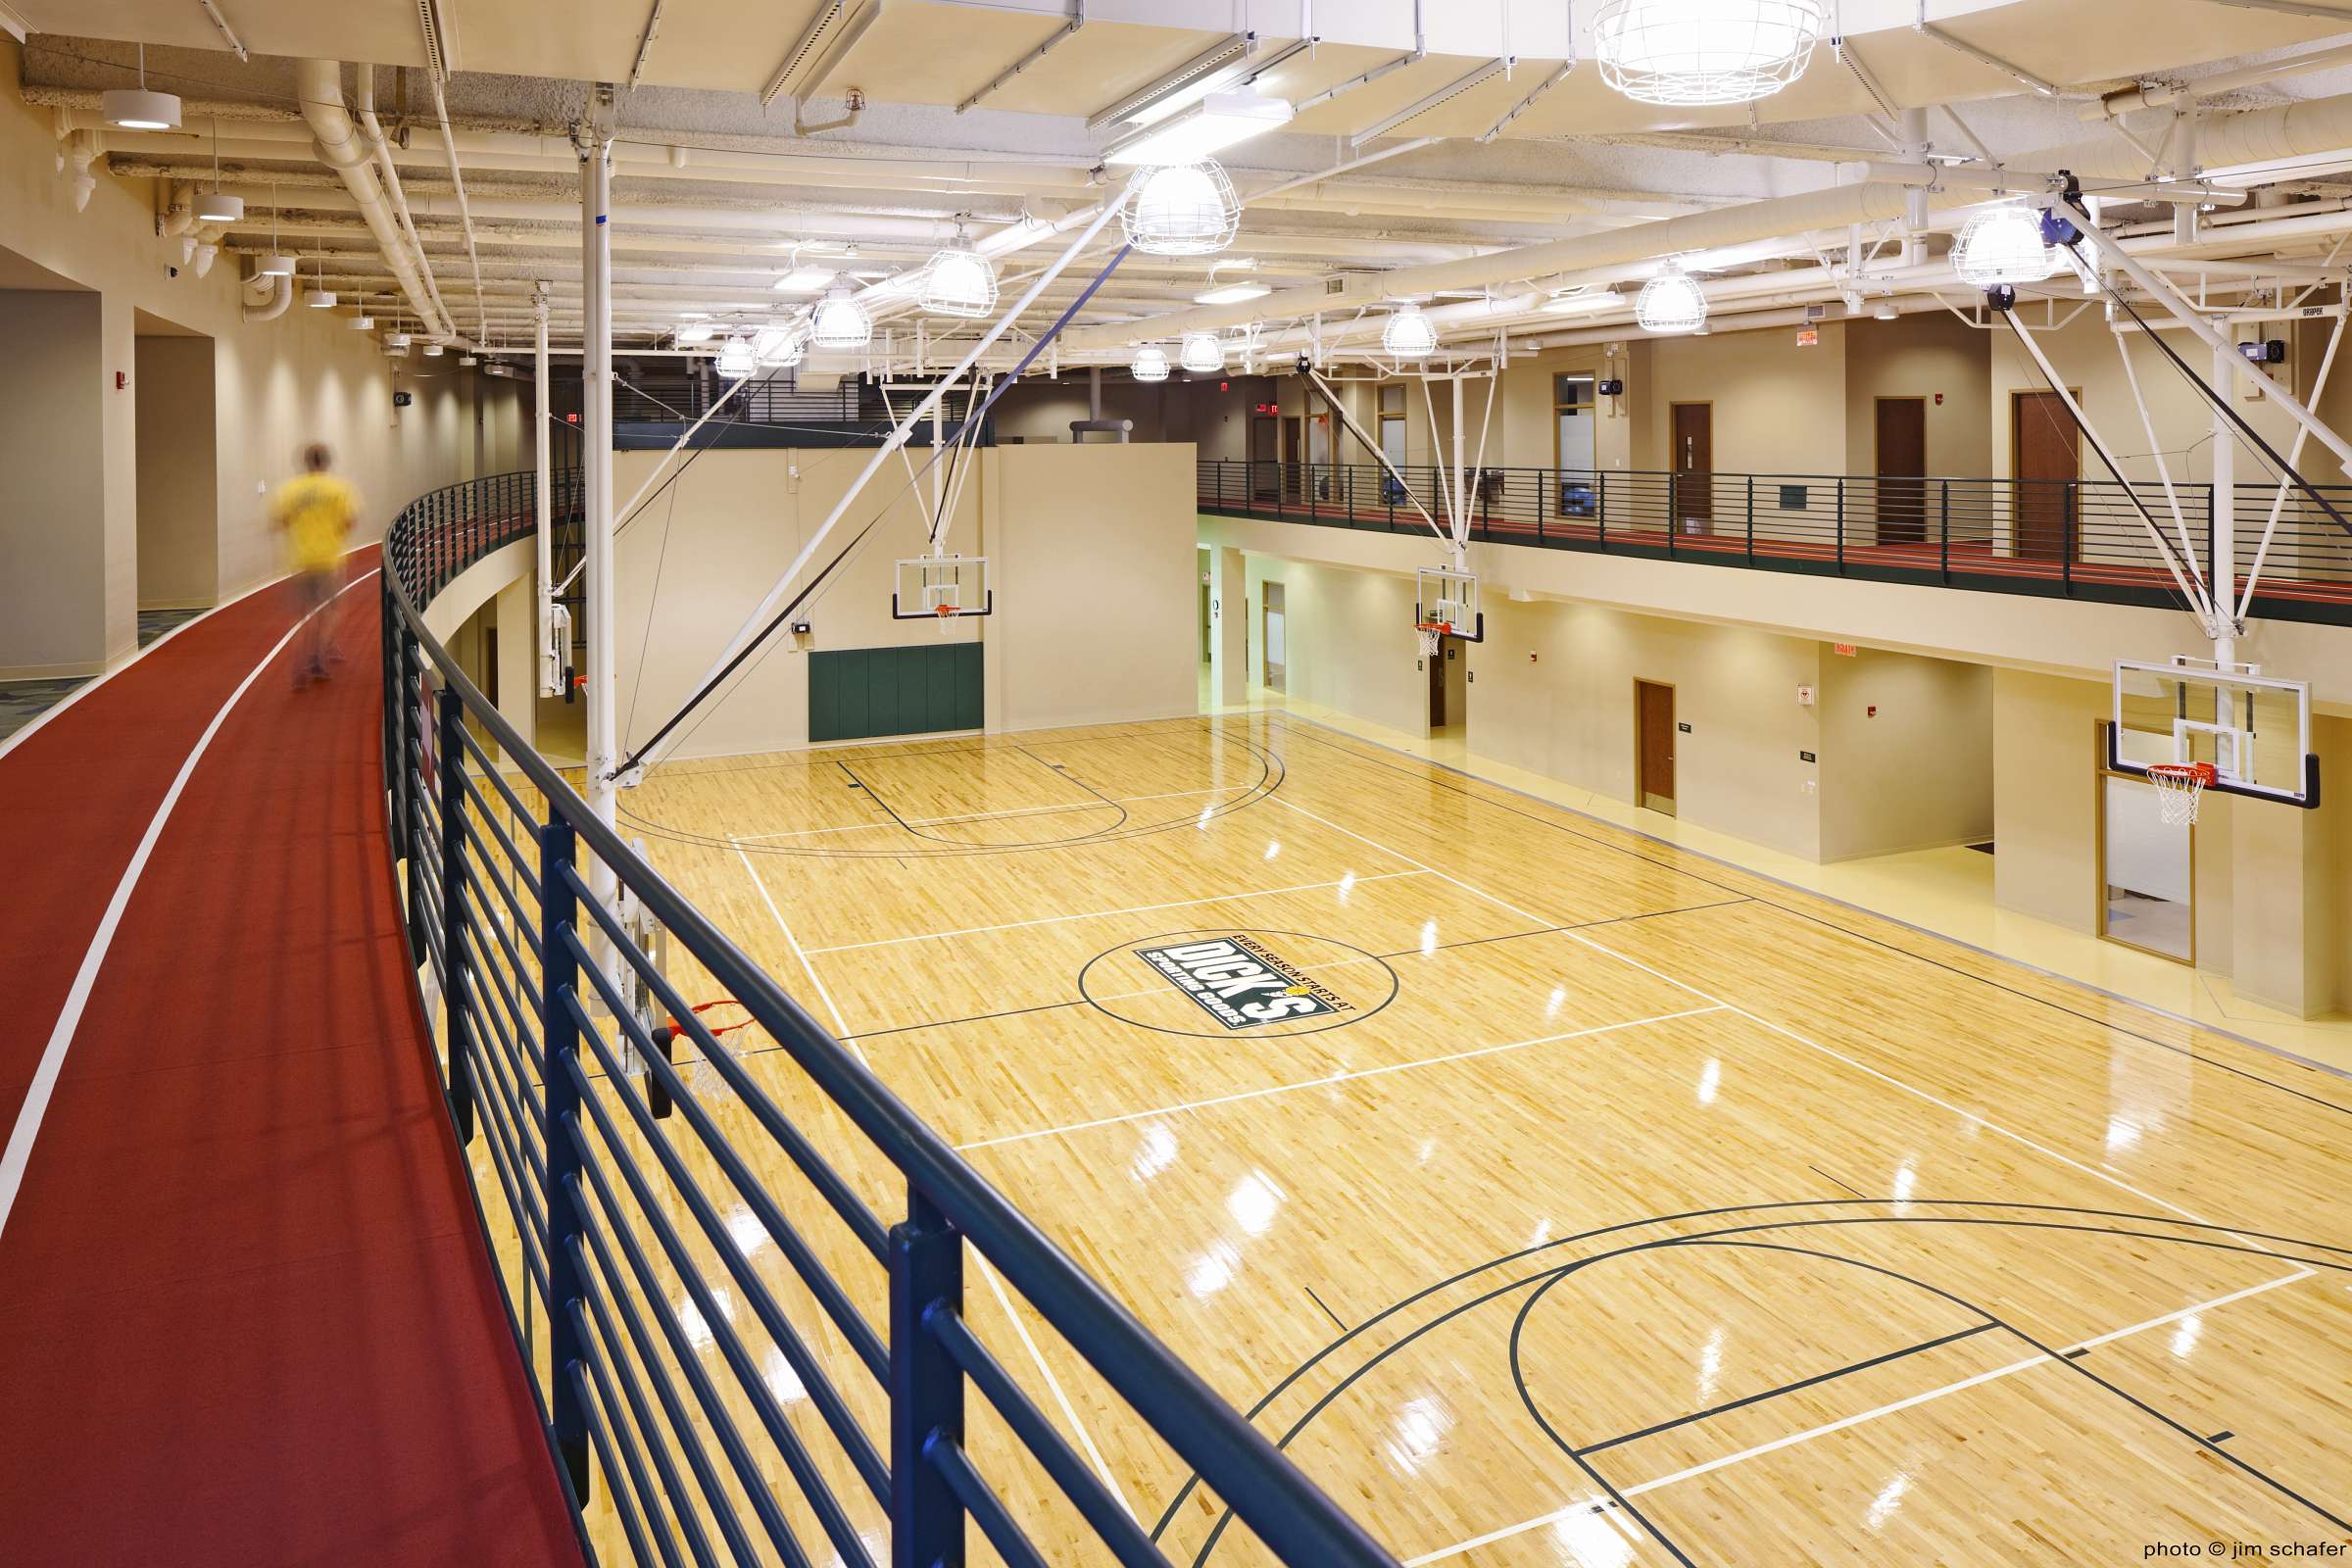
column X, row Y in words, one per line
column 1409, row 334
column 1150, row 363
column 840, row 322
column 959, row 281
column 1671, row 303
column 734, row 358
column 1201, row 353
column 2003, row 245
column 777, row 346
column 1687, row 53
column 1181, row 210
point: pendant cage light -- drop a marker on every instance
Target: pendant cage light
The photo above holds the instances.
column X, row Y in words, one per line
column 1671, row 301
column 777, row 346
column 1150, row 363
column 840, row 322
column 959, row 281
column 212, row 206
column 734, row 360
column 1201, row 353
column 1687, row 53
column 138, row 109
column 1409, row 334
column 2003, row 245
column 1181, row 210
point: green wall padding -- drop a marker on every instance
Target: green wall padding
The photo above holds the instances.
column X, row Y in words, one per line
column 855, row 693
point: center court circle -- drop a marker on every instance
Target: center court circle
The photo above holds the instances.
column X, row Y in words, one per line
column 1238, row 982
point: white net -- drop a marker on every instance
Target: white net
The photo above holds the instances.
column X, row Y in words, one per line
column 2179, row 790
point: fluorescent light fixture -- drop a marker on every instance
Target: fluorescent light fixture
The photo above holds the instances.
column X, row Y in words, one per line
column 1232, row 294
column 1217, row 122
column 214, row 207
column 804, row 280
column 1597, row 300
column 694, row 316
column 689, row 336
column 275, row 267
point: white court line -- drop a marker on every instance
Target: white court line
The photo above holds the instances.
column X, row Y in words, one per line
column 1101, row 914
column 18, row 1153
column 1336, row 1078
column 793, row 941
column 982, row 817
column 1783, row 1029
column 841, row 1025
column 1828, row 1426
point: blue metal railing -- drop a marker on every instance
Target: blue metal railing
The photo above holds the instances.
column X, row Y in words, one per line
column 710, row 1400
column 2078, row 538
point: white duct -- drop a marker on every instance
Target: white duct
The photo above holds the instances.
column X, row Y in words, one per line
column 281, row 295
column 365, row 97
column 320, row 86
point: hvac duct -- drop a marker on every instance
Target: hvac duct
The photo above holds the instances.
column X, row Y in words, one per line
column 320, row 86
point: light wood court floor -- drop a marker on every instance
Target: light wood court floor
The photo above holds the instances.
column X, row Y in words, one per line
column 1584, row 1202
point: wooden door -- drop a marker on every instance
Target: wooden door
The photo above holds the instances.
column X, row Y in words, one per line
column 1653, row 745
column 1265, row 474
column 1277, row 652
column 1293, row 479
column 1902, row 445
column 1694, row 468
column 2049, row 459
column 1437, row 686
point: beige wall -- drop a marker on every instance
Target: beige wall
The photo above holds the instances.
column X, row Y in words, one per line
column 1932, row 355
column 179, row 484
column 53, row 522
column 1347, row 640
column 1091, row 553
column 1906, row 753
column 1779, row 409
column 277, row 385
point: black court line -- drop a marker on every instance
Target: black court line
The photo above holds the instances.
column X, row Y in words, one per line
column 1833, row 1181
column 1787, row 1388
column 1327, row 1311
column 914, row 830
column 1860, row 936
column 1350, row 1379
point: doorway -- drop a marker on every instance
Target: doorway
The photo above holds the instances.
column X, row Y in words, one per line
column 1902, row 466
column 1265, row 475
column 1277, row 654
column 2147, row 872
column 1694, row 468
column 1653, row 746
column 1293, row 477
column 1448, row 687
column 2049, row 460
column 176, row 505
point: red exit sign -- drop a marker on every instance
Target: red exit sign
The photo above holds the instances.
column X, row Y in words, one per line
column 1842, row 650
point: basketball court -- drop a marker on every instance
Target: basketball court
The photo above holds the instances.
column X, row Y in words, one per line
column 1551, row 1193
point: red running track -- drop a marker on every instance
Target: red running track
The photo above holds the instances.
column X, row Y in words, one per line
column 246, row 1315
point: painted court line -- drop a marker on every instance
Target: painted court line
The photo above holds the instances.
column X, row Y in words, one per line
column 1826, row 1428
column 983, row 817
column 1336, row 1078
column 838, row 1024
column 1101, row 914
column 18, row 1153
column 1782, row 1029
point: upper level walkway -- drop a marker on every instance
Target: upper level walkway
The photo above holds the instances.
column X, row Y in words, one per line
column 246, row 1313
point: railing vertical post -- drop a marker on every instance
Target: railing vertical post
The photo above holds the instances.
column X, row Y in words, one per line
column 1601, row 507
column 2212, row 505
column 1542, row 486
column 412, row 813
column 1841, row 525
column 926, row 1388
column 456, row 996
column 1752, row 520
column 558, row 979
column 2066, row 537
column 1944, row 548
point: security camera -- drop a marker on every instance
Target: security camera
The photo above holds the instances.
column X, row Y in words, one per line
column 171, row 272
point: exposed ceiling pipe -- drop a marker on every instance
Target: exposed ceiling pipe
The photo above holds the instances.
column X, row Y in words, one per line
column 2166, row 94
column 281, row 295
column 457, row 180
column 382, row 147
column 320, row 86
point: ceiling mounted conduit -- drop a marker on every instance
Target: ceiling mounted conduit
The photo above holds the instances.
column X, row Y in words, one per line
column 320, row 86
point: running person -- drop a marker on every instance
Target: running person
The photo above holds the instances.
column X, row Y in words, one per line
column 316, row 513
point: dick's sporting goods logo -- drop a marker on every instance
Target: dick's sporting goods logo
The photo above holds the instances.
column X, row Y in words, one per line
column 1240, row 983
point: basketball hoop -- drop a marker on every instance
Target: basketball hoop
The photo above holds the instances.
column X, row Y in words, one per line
column 1432, row 633
column 2181, row 787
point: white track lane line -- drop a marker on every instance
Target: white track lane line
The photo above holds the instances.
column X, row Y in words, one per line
column 1101, row 914
column 1783, row 1029
column 18, row 1153
column 11, row 742
column 1842, row 1423
column 1336, row 1078
column 840, row 1026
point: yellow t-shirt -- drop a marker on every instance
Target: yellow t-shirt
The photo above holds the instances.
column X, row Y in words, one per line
column 316, row 511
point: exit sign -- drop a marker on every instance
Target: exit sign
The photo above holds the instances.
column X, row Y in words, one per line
column 1807, row 336
column 1842, row 650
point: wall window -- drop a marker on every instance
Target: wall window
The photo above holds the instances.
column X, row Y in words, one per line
column 1392, row 422
column 1572, row 420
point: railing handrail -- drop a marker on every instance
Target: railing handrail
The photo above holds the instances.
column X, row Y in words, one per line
column 1229, row 1454
column 2086, row 483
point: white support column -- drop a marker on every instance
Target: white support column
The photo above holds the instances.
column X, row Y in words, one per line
column 596, row 457
column 546, row 655
column 2221, row 575
column 1461, row 498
